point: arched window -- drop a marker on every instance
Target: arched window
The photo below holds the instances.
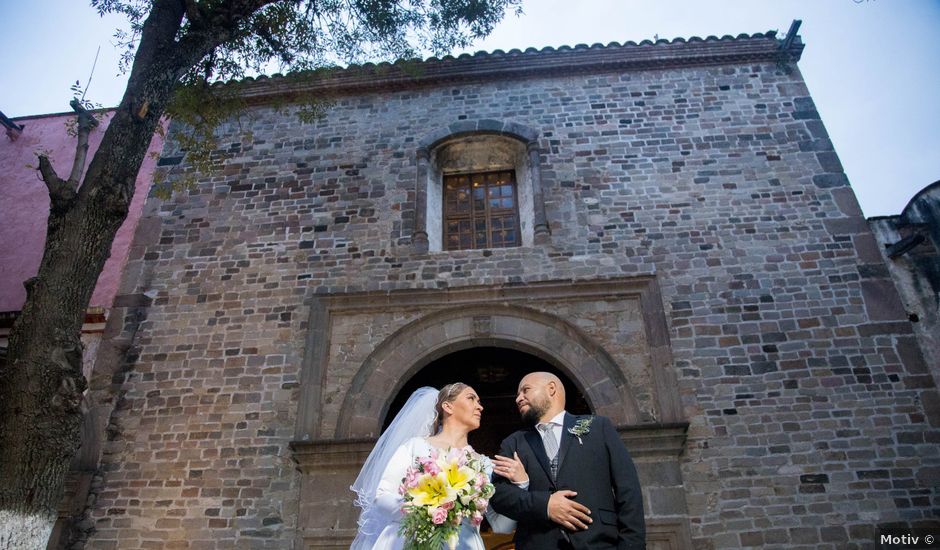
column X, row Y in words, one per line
column 479, row 186
column 481, row 210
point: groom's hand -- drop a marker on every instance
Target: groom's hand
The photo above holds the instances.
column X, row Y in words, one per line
column 510, row 468
column 572, row 515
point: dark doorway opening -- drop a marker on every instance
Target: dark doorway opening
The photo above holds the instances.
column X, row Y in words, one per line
column 494, row 373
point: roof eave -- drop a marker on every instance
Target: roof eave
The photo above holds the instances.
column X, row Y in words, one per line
column 758, row 48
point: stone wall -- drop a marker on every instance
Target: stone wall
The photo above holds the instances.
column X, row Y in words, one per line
column 911, row 249
column 718, row 183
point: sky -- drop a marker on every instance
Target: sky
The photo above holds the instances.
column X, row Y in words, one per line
column 872, row 66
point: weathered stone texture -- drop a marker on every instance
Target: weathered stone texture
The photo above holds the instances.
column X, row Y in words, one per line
column 806, row 426
column 910, row 244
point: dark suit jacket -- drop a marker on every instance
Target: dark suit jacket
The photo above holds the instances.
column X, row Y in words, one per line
column 598, row 468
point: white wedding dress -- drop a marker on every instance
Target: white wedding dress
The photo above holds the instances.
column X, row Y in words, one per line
column 376, row 487
column 389, row 501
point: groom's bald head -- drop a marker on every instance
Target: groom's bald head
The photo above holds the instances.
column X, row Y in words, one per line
column 541, row 397
column 549, row 381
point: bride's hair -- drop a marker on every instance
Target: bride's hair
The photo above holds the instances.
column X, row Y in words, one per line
column 448, row 394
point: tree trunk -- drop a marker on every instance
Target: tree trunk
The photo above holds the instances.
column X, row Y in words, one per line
column 40, row 400
column 42, row 382
column 40, row 403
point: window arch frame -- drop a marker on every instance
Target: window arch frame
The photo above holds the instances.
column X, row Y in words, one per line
column 427, row 176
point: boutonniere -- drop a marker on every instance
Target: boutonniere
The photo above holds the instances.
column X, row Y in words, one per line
column 581, row 427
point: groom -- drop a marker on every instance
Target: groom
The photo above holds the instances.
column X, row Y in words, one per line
column 583, row 491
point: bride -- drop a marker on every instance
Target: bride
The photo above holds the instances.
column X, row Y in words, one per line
column 430, row 419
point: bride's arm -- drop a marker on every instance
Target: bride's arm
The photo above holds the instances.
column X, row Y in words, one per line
column 499, row 522
column 386, row 495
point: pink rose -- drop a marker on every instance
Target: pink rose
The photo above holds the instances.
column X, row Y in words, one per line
column 481, row 504
column 439, row 516
column 448, row 505
column 477, row 518
column 430, row 466
column 410, row 481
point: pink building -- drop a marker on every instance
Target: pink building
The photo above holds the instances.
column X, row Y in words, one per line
column 24, row 207
column 24, row 204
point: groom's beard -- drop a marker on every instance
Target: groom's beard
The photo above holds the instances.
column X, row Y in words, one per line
column 535, row 411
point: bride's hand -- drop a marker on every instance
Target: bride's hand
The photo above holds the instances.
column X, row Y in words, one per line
column 510, row 468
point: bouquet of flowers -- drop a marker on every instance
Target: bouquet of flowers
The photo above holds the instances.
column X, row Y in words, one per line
column 440, row 491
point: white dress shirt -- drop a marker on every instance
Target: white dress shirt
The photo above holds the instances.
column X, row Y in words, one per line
column 558, row 424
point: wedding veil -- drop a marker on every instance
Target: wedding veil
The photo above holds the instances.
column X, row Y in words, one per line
column 415, row 419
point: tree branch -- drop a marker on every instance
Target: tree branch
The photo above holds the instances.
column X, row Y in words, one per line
column 47, row 171
column 219, row 25
column 275, row 44
column 60, row 192
column 86, row 123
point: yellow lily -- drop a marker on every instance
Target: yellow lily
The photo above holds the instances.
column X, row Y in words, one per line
column 433, row 491
column 457, row 476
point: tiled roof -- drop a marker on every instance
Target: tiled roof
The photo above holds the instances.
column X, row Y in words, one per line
column 580, row 59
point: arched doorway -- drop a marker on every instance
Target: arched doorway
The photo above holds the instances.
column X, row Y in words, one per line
column 609, row 337
column 406, row 353
column 494, row 373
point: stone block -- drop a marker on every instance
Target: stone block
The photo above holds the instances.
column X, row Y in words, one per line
column 666, row 501
column 882, row 302
column 847, row 226
column 847, row 202
column 829, row 181
column 660, row 473
column 911, row 356
column 829, row 161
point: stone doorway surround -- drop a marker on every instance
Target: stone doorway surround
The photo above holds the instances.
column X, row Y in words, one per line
column 609, row 336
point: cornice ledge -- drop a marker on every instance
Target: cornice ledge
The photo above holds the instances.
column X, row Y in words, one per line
column 555, row 289
column 643, row 441
column 319, row 455
column 648, row 441
column 328, row 539
column 518, row 64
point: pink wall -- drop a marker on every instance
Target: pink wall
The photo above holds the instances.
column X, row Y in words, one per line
column 24, row 206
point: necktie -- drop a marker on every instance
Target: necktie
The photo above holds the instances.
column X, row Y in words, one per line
column 551, row 445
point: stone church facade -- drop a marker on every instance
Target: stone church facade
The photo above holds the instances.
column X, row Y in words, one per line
column 665, row 225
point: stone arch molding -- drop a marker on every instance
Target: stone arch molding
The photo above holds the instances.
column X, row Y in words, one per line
column 415, row 345
column 462, row 128
column 425, row 236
